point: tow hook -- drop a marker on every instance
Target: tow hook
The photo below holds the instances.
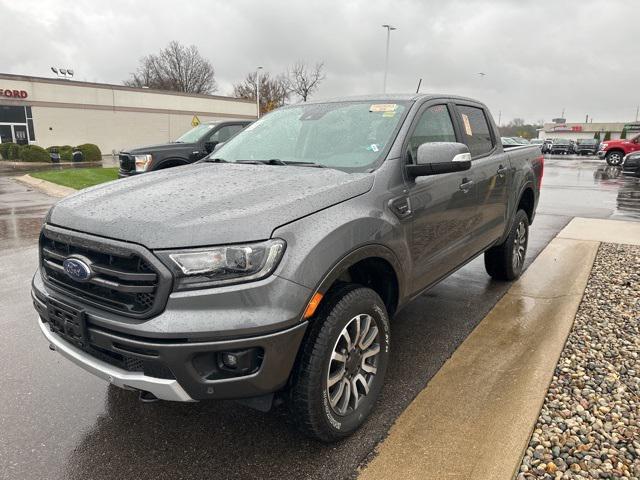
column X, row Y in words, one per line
column 147, row 397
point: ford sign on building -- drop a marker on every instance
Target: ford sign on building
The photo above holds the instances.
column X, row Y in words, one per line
column 50, row 111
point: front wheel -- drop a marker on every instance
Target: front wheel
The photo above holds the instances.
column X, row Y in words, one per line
column 614, row 158
column 506, row 261
column 341, row 370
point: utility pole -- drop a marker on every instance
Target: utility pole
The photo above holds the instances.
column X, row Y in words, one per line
column 258, row 89
column 386, row 57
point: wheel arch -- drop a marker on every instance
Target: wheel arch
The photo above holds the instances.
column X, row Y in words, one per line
column 374, row 266
column 171, row 162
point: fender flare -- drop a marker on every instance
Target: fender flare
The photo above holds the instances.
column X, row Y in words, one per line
column 353, row 257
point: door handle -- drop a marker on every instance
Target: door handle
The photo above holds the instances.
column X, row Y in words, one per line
column 502, row 170
column 466, row 185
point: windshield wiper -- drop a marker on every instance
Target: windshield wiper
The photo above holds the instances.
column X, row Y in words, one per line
column 277, row 161
column 214, row 160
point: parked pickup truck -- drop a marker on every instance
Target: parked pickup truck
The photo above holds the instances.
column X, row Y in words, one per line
column 614, row 151
column 274, row 267
column 586, row 146
column 190, row 147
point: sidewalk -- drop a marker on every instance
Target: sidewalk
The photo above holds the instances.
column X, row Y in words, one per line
column 474, row 419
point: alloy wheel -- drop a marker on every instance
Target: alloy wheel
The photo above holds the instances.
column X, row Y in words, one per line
column 519, row 246
column 353, row 365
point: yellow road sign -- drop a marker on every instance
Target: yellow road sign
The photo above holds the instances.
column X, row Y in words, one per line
column 195, row 121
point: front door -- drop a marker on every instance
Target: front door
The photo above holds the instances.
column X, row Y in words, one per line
column 20, row 133
column 442, row 206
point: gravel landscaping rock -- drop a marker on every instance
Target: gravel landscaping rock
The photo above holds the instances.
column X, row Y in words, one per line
column 589, row 425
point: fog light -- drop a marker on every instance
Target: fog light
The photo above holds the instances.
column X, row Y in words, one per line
column 229, row 360
column 240, row 362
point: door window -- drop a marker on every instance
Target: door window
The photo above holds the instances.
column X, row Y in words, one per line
column 225, row 133
column 434, row 125
column 476, row 131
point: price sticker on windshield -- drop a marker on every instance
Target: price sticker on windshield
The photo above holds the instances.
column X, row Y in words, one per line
column 383, row 107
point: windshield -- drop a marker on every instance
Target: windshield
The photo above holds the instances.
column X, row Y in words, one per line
column 349, row 136
column 196, row 133
column 560, row 141
column 587, row 141
column 536, row 140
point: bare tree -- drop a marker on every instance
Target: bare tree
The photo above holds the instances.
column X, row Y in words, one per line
column 273, row 90
column 177, row 68
column 303, row 80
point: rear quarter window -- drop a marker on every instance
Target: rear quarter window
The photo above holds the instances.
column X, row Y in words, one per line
column 475, row 130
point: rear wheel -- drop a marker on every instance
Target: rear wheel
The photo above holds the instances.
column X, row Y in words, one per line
column 614, row 158
column 506, row 261
column 343, row 363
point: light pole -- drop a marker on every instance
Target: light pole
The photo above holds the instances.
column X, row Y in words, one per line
column 258, row 89
column 386, row 57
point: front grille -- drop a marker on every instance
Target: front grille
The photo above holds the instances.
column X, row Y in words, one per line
column 127, row 162
column 122, row 281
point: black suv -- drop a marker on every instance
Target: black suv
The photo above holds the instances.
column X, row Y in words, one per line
column 190, row 147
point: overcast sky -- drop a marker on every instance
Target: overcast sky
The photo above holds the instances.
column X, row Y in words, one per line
column 539, row 56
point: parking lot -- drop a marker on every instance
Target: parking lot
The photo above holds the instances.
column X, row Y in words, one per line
column 60, row 422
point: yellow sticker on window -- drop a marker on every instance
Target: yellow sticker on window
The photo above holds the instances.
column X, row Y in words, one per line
column 389, row 114
column 467, row 125
column 383, row 107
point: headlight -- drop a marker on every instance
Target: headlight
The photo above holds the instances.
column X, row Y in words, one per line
column 142, row 162
column 216, row 266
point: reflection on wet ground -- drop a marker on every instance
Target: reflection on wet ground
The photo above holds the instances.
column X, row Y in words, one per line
column 589, row 188
column 21, row 213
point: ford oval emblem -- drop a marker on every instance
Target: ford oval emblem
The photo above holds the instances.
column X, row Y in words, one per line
column 76, row 269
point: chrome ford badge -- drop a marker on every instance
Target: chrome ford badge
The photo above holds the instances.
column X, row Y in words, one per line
column 76, row 269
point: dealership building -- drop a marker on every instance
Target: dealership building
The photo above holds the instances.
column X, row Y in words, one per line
column 47, row 112
column 575, row 131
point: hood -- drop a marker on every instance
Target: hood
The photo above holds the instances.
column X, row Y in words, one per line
column 206, row 203
column 162, row 147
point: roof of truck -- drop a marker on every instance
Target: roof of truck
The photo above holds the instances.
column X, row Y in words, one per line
column 406, row 97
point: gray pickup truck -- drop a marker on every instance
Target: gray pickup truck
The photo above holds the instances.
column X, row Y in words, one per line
column 273, row 268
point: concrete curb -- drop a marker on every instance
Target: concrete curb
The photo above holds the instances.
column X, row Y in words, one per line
column 475, row 417
column 44, row 186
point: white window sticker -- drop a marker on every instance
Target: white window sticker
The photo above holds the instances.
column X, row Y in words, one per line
column 467, row 125
column 383, row 107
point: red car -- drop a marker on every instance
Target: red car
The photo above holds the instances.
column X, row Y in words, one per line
column 615, row 150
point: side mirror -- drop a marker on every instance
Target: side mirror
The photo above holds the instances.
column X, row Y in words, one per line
column 440, row 157
column 217, row 147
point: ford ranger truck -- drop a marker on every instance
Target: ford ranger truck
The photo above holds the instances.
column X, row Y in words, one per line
column 273, row 268
column 194, row 145
column 614, row 151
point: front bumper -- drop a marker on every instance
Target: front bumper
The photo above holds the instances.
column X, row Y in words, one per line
column 193, row 365
column 165, row 389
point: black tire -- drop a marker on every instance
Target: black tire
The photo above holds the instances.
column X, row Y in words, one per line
column 311, row 396
column 500, row 261
column 614, row 158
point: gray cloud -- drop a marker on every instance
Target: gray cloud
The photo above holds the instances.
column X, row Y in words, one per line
column 539, row 56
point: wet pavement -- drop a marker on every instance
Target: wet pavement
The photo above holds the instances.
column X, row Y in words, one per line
column 57, row 421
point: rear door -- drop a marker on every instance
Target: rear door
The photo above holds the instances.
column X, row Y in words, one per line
column 442, row 207
column 491, row 171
